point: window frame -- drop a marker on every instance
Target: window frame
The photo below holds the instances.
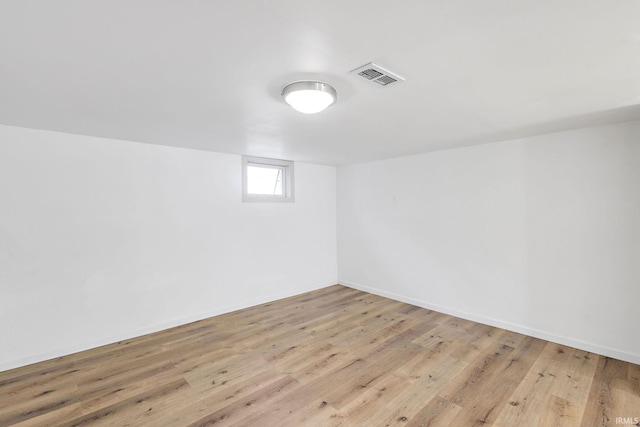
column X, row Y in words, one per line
column 288, row 187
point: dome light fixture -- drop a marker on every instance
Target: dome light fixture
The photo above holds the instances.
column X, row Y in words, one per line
column 309, row 97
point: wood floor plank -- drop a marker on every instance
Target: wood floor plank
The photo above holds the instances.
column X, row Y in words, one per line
column 122, row 411
column 465, row 387
column 247, row 406
column 561, row 371
column 334, row 357
column 499, row 385
column 360, row 410
column 229, row 393
column 403, row 409
column 560, row 412
column 612, row 394
column 54, row 417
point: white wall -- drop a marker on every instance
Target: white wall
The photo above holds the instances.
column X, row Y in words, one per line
column 102, row 240
column 539, row 235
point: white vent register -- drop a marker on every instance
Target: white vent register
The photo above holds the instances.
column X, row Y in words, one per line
column 377, row 74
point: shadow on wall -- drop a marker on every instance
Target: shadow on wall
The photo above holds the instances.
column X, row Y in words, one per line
column 594, row 119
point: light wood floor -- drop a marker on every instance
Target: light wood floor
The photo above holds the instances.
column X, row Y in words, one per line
column 333, row 357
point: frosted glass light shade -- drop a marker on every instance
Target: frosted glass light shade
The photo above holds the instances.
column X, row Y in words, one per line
column 309, row 97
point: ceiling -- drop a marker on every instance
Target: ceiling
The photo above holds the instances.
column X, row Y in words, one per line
column 208, row 74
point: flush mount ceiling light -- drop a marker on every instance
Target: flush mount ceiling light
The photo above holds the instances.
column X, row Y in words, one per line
column 309, row 97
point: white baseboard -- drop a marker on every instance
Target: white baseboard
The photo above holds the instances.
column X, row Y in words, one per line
column 52, row 354
column 547, row 336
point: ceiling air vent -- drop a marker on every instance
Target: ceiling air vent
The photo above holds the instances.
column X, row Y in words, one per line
column 376, row 74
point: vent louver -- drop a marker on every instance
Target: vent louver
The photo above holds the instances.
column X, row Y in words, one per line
column 377, row 74
column 370, row 74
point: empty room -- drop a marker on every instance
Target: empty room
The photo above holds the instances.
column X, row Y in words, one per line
column 340, row 213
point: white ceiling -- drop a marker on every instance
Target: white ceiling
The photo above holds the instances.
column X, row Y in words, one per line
column 208, row 74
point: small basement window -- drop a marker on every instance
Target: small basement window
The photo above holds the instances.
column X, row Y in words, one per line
column 267, row 180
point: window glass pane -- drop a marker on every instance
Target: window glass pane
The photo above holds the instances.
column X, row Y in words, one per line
column 267, row 180
column 264, row 180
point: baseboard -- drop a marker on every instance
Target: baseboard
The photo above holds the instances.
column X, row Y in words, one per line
column 12, row 364
column 548, row 336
